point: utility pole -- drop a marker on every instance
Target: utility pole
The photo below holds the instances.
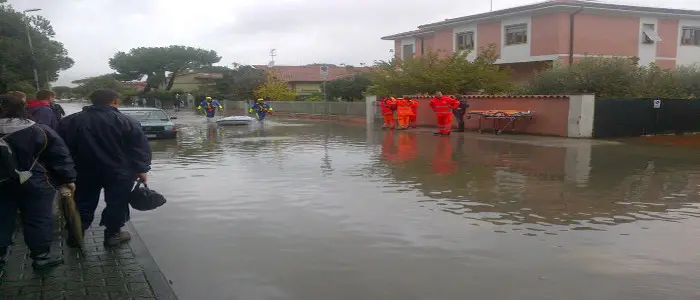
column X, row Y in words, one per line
column 31, row 47
column 491, row 5
column 324, row 76
column 273, row 53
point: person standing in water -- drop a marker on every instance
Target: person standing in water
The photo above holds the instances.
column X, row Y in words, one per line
column 210, row 107
column 260, row 109
column 443, row 106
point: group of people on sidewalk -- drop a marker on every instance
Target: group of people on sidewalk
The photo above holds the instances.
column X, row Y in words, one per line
column 86, row 152
column 406, row 112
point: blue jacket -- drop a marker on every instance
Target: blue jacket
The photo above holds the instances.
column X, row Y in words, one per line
column 210, row 107
column 41, row 112
column 261, row 108
column 29, row 140
column 106, row 143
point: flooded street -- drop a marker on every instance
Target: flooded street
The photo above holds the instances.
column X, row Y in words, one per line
column 319, row 211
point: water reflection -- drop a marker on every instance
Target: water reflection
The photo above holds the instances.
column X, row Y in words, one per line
column 544, row 189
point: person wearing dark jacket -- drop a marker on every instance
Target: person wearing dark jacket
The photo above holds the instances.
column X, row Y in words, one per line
column 110, row 152
column 40, row 111
column 57, row 109
column 39, row 162
column 460, row 112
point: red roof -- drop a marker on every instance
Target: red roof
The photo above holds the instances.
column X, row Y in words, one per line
column 313, row 73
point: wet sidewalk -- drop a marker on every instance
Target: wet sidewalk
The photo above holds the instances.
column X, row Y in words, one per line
column 128, row 272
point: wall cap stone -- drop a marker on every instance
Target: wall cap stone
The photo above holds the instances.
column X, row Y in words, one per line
column 496, row 96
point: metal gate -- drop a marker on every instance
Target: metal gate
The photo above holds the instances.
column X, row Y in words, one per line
column 635, row 117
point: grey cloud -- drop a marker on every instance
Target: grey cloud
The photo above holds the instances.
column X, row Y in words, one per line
column 302, row 31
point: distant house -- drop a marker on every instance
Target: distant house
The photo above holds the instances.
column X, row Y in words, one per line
column 305, row 80
column 190, row 82
column 532, row 37
column 137, row 85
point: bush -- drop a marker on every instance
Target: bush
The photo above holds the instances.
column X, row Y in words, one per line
column 437, row 71
column 311, row 97
column 616, row 77
column 275, row 88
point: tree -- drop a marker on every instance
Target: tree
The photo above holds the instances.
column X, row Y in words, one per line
column 434, row 71
column 238, row 82
column 106, row 81
column 348, row 89
column 16, row 72
column 161, row 65
column 62, row 91
column 275, row 89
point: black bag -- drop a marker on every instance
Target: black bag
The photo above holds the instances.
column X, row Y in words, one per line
column 8, row 163
column 145, row 199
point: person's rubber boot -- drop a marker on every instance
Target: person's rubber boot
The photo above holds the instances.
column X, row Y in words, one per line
column 44, row 261
column 115, row 239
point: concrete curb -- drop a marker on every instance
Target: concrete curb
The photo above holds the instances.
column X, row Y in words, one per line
column 155, row 277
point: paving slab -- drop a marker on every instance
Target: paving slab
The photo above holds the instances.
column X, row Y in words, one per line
column 127, row 272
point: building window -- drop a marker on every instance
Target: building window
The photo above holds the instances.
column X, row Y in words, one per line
column 649, row 35
column 407, row 51
column 516, row 34
column 690, row 36
column 465, row 40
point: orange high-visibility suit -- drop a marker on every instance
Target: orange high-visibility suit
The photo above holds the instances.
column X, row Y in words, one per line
column 443, row 106
column 403, row 112
column 387, row 105
column 414, row 107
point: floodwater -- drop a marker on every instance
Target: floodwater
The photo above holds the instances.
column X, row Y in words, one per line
column 303, row 210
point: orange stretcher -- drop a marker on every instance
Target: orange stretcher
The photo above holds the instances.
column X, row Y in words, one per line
column 498, row 116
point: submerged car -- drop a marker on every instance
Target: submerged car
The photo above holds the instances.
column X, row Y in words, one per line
column 155, row 122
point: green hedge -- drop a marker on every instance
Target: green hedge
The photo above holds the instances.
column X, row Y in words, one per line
column 616, row 77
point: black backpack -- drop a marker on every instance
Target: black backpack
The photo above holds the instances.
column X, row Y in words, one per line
column 9, row 164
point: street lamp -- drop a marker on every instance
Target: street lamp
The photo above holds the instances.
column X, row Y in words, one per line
column 31, row 47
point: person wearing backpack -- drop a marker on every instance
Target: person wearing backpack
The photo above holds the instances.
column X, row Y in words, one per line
column 33, row 162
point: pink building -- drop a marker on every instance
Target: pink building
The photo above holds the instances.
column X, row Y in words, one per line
column 534, row 36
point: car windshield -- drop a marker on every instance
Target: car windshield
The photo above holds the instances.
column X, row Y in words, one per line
column 147, row 115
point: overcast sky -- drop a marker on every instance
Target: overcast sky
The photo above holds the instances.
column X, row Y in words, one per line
column 243, row 31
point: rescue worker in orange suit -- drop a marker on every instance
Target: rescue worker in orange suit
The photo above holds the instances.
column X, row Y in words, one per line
column 443, row 106
column 387, row 105
column 414, row 107
column 403, row 112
